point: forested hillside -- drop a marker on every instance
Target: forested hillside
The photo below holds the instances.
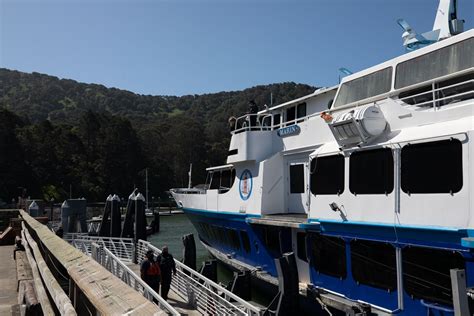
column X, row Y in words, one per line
column 56, row 133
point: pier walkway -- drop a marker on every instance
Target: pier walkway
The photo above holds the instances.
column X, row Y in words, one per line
column 8, row 280
column 75, row 283
column 191, row 293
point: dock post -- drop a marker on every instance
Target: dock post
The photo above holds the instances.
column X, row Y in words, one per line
column 115, row 217
column 104, row 229
column 140, row 219
column 156, row 222
column 189, row 251
column 127, row 230
column 288, row 303
column 458, row 283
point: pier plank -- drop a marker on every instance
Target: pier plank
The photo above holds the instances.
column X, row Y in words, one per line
column 106, row 292
column 23, row 268
column 8, row 281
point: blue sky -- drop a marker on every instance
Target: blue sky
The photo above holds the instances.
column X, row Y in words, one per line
column 194, row 47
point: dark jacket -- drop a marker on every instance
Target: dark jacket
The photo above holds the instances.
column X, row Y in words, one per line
column 167, row 266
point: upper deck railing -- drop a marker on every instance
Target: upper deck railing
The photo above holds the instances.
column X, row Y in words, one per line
column 265, row 122
column 437, row 94
column 251, row 122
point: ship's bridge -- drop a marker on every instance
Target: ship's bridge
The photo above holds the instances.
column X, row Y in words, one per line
column 256, row 137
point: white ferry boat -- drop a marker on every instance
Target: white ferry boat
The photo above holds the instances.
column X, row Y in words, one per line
column 370, row 183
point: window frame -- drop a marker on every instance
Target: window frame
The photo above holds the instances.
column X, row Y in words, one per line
column 390, row 173
column 341, row 175
column 403, row 167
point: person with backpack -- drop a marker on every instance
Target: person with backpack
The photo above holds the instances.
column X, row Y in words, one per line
column 150, row 271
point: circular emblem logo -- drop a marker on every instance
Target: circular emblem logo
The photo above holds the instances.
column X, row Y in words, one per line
column 245, row 185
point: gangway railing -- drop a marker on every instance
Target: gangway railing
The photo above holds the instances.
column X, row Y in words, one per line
column 207, row 296
column 117, row 267
column 123, row 248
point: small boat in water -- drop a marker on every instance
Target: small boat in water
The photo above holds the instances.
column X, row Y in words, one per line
column 369, row 183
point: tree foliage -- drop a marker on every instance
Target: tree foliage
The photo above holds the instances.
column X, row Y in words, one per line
column 56, row 133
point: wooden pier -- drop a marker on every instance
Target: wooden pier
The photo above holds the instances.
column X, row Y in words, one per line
column 8, row 281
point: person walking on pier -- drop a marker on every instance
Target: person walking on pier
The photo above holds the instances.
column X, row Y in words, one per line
column 150, row 271
column 167, row 266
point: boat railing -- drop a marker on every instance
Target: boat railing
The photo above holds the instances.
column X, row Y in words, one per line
column 252, row 122
column 435, row 97
column 207, row 296
column 123, row 248
column 117, row 267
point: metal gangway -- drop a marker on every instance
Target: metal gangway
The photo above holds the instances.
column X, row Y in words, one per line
column 198, row 292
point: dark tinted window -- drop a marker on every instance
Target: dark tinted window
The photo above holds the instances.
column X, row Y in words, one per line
column 434, row 167
column 233, row 239
column 245, row 240
column 327, row 175
column 271, row 238
column 297, row 178
column 328, row 255
column 301, row 111
column 216, row 180
column 426, row 273
column 290, row 114
column 374, row 264
column 276, row 120
column 301, row 246
column 371, row 172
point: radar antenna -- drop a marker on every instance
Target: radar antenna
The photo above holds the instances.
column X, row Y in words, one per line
column 446, row 24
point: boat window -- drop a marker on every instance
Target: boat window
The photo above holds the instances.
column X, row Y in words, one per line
column 233, row 238
column 301, row 111
column 297, row 178
column 371, row 171
column 328, row 255
column 226, row 180
column 221, row 180
column 442, row 62
column 276, row 121
column 434, row 167
column 215, row 180
column 301, row 246
column 374, row 264
column 272, row 239
column 276, row 239
column 365, row 87
column 327, row 175
column 290, row 115
column 426, row 273
column 245, row 240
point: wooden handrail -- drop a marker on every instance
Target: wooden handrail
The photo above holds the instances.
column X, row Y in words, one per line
column 108, row 294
